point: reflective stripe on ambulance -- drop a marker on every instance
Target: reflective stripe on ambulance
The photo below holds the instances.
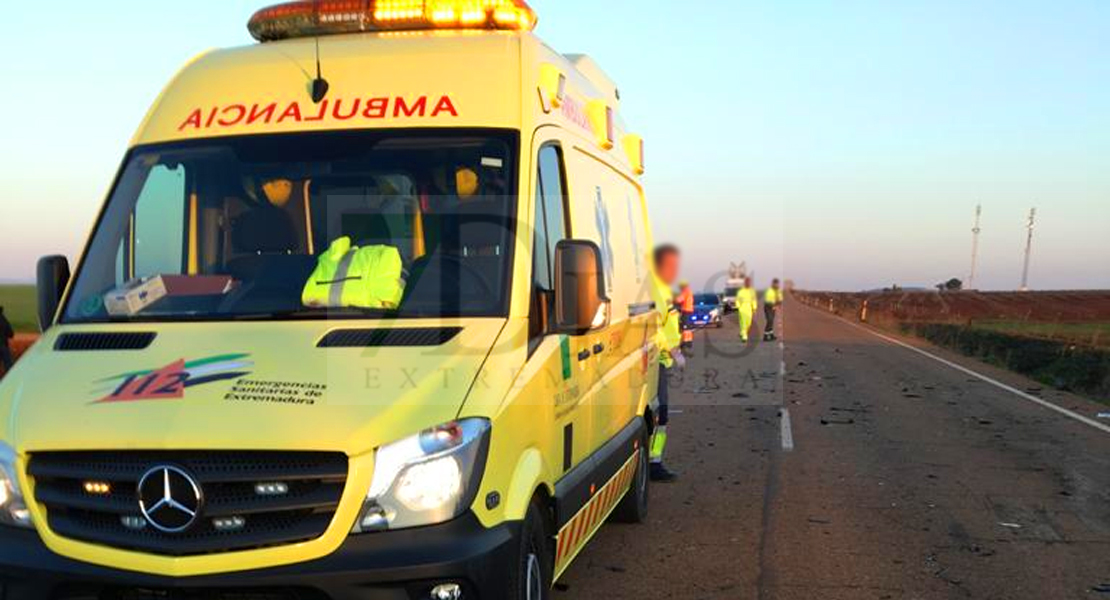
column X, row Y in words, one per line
column 574, row 535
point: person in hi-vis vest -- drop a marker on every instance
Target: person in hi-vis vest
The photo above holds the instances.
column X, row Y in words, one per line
column 772, row 299
column 747, row 302
column 668, row 340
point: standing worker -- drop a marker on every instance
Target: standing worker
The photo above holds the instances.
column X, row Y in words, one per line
column 685, row 303
column 747, row 302
column 772, row 299
column 6, row 334
column 668, row 340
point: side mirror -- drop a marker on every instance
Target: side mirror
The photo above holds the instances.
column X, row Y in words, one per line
column 581, row 302
column 53, row 277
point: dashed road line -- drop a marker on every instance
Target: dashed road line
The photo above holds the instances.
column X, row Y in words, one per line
column 787, row 431
column 1023, row 395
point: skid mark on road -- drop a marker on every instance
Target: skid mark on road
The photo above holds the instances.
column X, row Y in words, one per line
column 998, row 384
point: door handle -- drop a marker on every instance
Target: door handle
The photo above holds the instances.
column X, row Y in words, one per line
column 599, row 348
column 584, row 355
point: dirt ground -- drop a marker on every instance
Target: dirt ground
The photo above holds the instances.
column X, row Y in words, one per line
column 960, row 307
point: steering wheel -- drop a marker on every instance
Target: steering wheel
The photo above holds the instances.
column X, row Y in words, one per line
column 482, row 287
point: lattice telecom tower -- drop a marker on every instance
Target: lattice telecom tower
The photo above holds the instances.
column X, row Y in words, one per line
column 975, row 231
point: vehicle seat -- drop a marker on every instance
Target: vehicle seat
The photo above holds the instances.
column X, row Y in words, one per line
column 268, row 264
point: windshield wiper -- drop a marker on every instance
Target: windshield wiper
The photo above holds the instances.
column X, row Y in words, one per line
column 321, row 314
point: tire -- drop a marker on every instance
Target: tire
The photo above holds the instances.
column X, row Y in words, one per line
column 634, row 506
column 534, row 565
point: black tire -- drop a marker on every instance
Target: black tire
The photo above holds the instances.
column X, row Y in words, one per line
column 633, row 508
column 534, row 571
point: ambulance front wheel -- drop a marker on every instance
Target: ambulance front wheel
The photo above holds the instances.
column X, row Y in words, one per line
column 534, row 569
column 634, row 506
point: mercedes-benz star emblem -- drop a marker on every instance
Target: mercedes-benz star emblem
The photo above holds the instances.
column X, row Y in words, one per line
column 169, row 499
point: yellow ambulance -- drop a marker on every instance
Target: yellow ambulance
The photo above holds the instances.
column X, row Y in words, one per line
column 366, row 315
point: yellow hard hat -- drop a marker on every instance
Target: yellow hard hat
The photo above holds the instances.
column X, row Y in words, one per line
column 278, row 191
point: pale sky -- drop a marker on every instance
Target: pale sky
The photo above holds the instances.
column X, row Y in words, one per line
column 843, row 144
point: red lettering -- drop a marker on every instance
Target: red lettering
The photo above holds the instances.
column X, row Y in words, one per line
column 336, row 110
column 240, row 113
column 418, row 108
column 258, row 112
column 292, row 112
column 166, row 383
column 340, row 109
column 445, row 105
column 320, row 115
column 193, row 121
column 376, row 108
column 575, row 113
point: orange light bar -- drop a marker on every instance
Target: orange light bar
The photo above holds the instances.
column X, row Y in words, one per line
column 308, row 18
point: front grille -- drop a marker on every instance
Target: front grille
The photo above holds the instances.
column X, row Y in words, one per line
column 313, row 482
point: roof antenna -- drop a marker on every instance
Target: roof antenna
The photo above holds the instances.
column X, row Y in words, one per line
column 319, row 85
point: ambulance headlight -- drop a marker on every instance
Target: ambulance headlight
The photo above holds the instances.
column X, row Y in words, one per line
column 429, row 478
column 13, row 511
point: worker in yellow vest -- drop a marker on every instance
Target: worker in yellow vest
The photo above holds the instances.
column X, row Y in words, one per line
column 772, row 299
column 668, row 341
column 747, row 302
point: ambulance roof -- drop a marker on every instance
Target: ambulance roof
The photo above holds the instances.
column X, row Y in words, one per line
column 461, row 78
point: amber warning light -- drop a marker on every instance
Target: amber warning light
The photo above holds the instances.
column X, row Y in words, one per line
column 306, row 18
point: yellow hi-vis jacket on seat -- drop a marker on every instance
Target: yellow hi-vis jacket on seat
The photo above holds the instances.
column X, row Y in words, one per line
column 349, row 276
column 772, row 297
column 668, row 336
column 746, row 300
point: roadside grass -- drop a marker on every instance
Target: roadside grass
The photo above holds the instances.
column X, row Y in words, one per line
column 20, row 307
column 1092, row 334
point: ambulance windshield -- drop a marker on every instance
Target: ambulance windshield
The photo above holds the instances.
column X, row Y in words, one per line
column 396, row 224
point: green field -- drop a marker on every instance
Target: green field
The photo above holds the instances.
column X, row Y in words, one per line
column 20, row 306
column 1094, row 334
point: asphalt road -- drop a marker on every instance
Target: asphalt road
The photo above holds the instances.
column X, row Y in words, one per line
column 897, row 477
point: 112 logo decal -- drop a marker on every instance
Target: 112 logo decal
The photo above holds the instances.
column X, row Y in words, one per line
column 171, row 381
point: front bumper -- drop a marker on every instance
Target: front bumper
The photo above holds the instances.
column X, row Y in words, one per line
column 396, row 565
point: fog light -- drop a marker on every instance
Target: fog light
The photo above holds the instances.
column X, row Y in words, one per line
column 97, row 488
column 229, row 523
column 447, row 591
column 132, row 522
column 271, row 489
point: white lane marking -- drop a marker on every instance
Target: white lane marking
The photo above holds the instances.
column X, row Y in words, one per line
column 1046, row 404
column 787, row 432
